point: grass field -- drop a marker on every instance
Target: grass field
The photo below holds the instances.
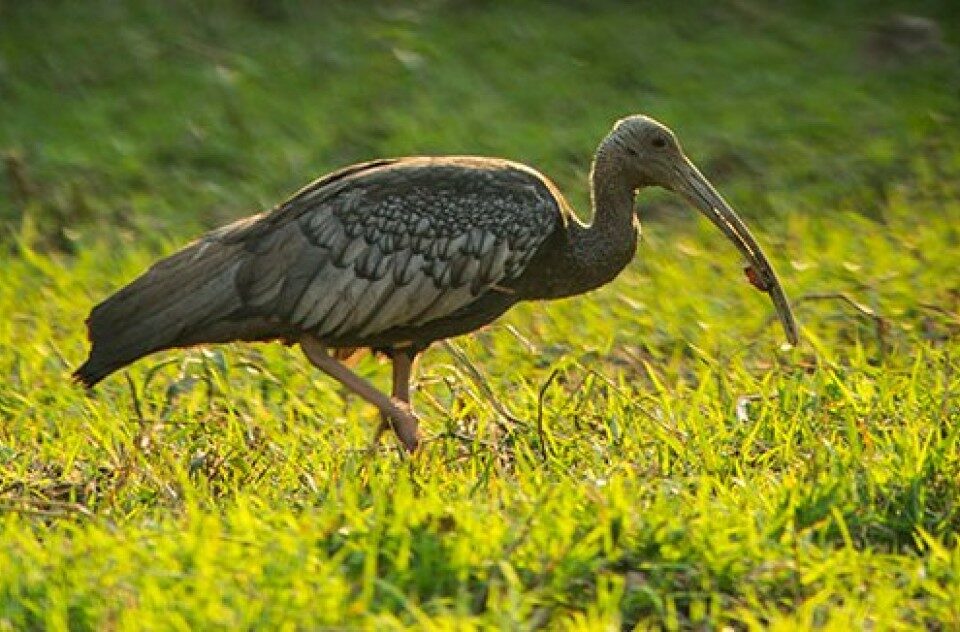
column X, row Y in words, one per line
column 648, row 455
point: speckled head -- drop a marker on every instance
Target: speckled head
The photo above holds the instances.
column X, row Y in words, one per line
column 642, row 131
column 646, row 150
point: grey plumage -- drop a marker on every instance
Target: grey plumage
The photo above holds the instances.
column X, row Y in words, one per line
column 341, row 260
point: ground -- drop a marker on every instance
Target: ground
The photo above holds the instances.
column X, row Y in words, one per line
column 648, row 455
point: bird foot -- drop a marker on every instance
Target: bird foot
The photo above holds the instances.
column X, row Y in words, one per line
column 396, row 412
column 405, row 424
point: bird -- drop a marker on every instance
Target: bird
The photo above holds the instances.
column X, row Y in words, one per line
column 395, row 254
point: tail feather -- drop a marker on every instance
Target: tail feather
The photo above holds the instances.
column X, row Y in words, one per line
column 168, row 306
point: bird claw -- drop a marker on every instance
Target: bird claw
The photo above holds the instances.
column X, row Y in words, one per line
column 405, row 424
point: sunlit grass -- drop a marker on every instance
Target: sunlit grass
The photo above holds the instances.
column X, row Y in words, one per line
column 646, row 455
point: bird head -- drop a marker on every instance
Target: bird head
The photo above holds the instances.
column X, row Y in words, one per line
column 647, row 153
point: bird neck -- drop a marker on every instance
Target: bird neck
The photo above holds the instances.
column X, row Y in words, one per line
column 613, row 225
column 604, row 247
column 587, row 256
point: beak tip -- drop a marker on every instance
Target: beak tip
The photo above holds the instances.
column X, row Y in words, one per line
column 793, row 335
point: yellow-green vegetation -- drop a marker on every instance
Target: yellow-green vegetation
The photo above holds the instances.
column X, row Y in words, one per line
column 647, row 455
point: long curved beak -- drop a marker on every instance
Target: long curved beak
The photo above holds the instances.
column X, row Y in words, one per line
column 697, row 189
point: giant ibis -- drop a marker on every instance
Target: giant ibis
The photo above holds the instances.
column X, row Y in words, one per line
column 395, row 254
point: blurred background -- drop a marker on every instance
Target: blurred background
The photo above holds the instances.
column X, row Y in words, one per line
column 164, row 118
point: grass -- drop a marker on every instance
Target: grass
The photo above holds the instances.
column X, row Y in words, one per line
column 645, row 456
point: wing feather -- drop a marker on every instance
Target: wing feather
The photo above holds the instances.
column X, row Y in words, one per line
column 338, row 319
column 374, row 296
column 325, row 293
column 396, row 245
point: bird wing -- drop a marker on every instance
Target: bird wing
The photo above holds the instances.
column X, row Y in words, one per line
column 397, row 244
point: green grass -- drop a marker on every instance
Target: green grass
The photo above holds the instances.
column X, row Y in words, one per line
column 646, row 455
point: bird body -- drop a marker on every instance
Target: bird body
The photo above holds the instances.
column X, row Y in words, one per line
column 395, row 254
column 380, row 254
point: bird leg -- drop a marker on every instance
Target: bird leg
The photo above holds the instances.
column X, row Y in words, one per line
column 402, row 367
column 404, row 421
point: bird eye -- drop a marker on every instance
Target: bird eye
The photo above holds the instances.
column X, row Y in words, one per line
column 632, row 152
column 659, row 142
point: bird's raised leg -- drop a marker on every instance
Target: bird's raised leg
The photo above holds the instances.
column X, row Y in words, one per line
column 402, row 366
column 405, row 423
